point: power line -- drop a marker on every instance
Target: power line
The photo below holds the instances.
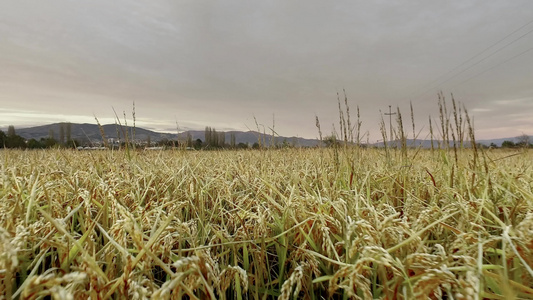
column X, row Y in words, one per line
column 473, row 57
column 479, row 61
column 390, row 114
column 499, row 64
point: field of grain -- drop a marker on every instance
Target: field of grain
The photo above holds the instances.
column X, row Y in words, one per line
column 341, row 223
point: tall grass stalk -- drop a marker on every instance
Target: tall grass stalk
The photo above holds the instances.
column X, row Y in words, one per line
column 413, row 122
column 342, row 123
column 349, row 129
column 431, row 134
column 383, row 130
column 102, row 133
column 124, row 133
column 402, row 135
column 317, row 123
column 359, row 123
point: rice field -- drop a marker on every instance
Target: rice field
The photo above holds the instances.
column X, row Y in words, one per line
column 332, row 223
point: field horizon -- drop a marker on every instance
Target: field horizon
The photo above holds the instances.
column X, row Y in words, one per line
column 82, row 131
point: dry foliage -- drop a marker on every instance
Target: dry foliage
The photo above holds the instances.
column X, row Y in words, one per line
column 293, row 223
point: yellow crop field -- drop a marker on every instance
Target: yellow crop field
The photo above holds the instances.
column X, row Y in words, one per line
column 330, row 223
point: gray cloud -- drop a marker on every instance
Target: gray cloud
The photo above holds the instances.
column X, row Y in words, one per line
column 212, row 63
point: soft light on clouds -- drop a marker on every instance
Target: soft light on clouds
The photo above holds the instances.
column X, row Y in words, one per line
column 219, row 64
column 34, row 118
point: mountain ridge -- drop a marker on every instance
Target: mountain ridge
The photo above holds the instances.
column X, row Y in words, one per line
column 91, row 132
column 87, row 132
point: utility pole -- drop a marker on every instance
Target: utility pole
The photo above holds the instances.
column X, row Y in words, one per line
column 390, row 121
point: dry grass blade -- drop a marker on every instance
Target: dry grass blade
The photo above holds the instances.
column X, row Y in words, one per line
column 142, row 253
column 79, row 247
column 419, row 233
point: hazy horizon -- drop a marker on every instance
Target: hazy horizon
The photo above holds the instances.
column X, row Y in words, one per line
column 220, row 64
column 181, row 131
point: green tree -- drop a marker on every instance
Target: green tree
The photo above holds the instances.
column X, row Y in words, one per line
column 12, row 140
column 165, row 143
column 285, row 143
column 15, row 141
column 198, row 144
column 508, row 144
column 48, row 142
column 11, row 131
column 523, row 141
column 207, row 136
column 3, row 139
column 331, row 141
column 35, row 144
column 214, row 137
column 72, row 143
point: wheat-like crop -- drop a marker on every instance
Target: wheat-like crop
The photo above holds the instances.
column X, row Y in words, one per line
column 291, row 223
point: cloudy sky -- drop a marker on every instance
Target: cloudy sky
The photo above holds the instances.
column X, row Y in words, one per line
column 220, row 63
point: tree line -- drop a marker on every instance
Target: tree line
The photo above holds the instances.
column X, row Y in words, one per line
column 523, row 141
column 212, row 140
column 11, row 139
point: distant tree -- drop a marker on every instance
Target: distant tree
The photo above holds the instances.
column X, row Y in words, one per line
column 51, row 133
column 508, row 144
column 189, row 140
column 492, row 145
column 523, row 141
column 3, row 139
column 68, row 131
column 221, row 139
column 12, row 140
column 256, row 145
column 214, row 138
column 242, row 146
column 285, row 143
column 61, row 133
column 331, row 141
column 48, row 142
column 17, row 142
column 161, row 143
column 11, row 131
column 165, row 143
column 73, row 143
column 207, row 136
column 35, row 144
column 232, row 140
column 198, row 144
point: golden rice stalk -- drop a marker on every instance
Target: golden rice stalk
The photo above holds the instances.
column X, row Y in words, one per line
column 295, row 280
column 228, row 275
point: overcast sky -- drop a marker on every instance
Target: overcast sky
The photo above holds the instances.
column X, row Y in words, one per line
column 220, row 63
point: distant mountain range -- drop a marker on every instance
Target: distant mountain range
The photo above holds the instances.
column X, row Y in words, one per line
column 427, row 143
column 91, row 132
